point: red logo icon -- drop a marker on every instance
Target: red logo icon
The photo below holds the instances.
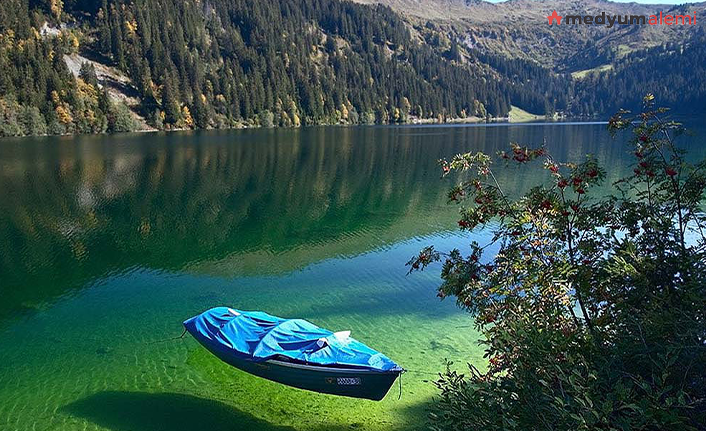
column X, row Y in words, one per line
column 554, row 17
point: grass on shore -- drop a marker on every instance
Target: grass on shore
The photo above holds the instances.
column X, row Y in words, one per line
column 519, row 115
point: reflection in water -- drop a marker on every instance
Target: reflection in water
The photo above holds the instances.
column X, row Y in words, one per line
column 72, row 210
column 108, row 243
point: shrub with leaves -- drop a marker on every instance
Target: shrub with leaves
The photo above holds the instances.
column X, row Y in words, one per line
column 593, row 311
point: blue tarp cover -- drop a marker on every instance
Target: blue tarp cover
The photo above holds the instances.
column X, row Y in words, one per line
column 258, row 336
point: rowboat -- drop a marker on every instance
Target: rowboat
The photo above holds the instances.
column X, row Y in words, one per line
column 294, row 352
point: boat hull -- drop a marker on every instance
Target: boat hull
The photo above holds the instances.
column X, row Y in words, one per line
column 372, row 385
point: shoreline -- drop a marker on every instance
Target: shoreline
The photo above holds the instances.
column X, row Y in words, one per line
column 456, row 122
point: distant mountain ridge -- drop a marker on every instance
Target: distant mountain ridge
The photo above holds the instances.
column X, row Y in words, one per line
column 519, row 28
column 600, row 69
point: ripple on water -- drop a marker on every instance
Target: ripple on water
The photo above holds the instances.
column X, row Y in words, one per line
column 70, row 369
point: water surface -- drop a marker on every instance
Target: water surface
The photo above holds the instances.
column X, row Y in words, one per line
column 107, row 243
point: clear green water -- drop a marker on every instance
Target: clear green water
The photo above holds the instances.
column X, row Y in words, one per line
column 108, row 243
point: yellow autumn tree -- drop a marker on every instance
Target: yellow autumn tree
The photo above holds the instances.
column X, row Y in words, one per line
column 187, row 119
column 55, row 98
column 64, row 115
column 7, row 39
column 284, row 119
column 70, row 41
column 406, row 107
column 62, row 110
column 56, row 7
column 294, row 114
column 131, row 27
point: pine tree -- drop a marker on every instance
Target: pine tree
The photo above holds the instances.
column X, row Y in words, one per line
column 170, row 103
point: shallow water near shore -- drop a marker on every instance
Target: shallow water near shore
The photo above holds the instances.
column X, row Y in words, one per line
column 108, row 243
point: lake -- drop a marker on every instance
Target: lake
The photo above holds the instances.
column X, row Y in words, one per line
column 107, row 243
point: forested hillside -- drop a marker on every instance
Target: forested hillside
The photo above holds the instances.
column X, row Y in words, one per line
column 675, row 72
column 38, row 93
column 80, row 66
column 594, row 70
column 229, row 63
column 285, row 62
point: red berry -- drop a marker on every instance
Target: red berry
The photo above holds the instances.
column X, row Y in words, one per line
column 562, row 183
column 669, row 171
column 643, row 138
column 580, row 191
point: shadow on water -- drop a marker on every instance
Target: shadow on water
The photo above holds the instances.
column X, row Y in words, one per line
column 141, row 411
column 419, row 413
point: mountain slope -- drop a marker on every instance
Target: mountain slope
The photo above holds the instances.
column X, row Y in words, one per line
column 519, row 28
column 240, row 63
column 229, row 63
column 586, row 70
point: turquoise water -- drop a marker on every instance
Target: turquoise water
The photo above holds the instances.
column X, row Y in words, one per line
column 107, row 243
